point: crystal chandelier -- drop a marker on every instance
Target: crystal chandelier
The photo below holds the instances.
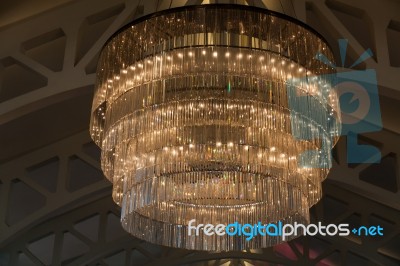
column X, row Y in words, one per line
column 208, row 113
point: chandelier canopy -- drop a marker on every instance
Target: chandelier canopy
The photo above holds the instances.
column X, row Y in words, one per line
column 208, row 113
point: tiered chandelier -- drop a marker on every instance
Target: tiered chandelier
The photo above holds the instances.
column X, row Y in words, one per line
column 208, row 113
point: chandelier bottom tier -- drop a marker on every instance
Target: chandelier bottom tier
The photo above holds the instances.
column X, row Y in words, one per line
column 203, row 112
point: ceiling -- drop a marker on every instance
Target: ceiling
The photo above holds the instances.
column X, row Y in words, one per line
column 12, row 11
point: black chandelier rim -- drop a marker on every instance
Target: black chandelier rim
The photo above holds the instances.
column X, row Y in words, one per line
column 217, row 6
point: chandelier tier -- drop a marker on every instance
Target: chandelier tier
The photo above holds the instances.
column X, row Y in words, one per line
column 198, row 113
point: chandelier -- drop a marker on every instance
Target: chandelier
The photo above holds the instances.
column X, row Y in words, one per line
column 218, row 113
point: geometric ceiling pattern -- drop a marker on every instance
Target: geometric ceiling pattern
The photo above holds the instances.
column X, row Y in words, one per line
column 55, row 204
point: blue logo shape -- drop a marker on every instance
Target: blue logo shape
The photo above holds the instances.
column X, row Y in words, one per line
column 349, row 103
column 360, row 112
